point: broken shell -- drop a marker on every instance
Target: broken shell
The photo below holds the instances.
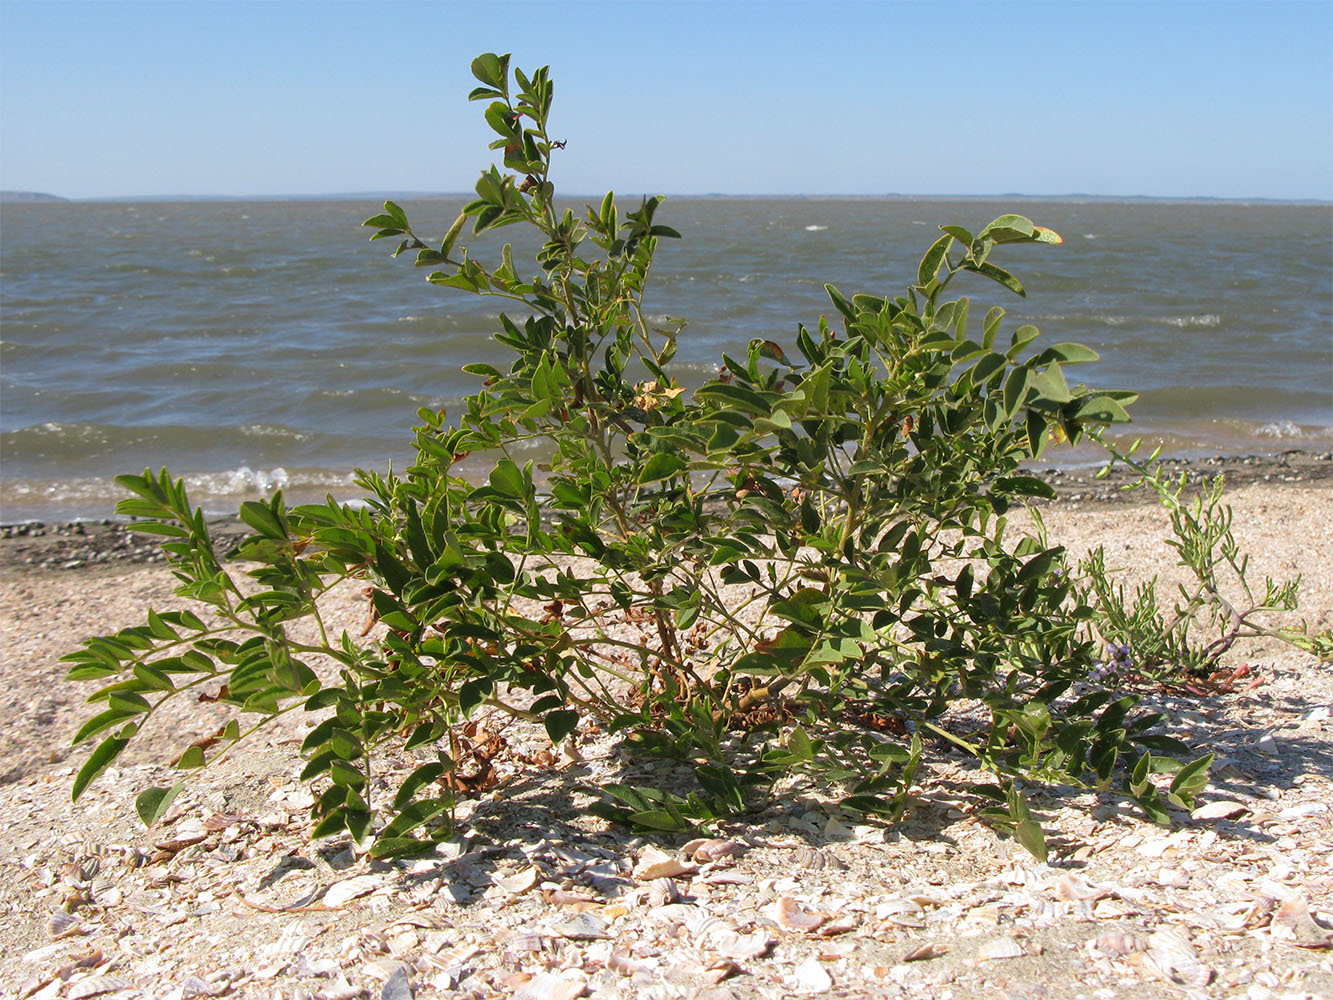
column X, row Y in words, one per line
column 1173, row 954
column 814, row 858
column 795, row 916
column 723, row 968
column 663, row 891
column 548, row 986
column 1293, row 922
column 654, row 864
column 1221, row 809
column 521, row 882
column 998, row 948
column 342, row 893
column 61, row 924
column 532, row 941
column 1074, row 887
column 584, row 927
column 706, row 851
column 1119, row 943
column 812, row 978
column 96, row 985
column 624, row 963
column 922, row 952
column 703, row 925
column 743, row 947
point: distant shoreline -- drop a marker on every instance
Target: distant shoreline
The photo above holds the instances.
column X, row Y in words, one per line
column 1074, row 198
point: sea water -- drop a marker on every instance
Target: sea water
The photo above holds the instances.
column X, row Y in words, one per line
column 260, row 345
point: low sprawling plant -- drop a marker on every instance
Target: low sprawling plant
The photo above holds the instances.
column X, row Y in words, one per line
column 799, row 565
column 1217, row 607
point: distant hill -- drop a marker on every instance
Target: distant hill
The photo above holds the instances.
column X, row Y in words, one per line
column 29, row 196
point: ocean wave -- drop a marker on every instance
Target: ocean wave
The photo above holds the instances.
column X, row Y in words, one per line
column 815, row 229
column 1281, row 429
column 218, row 492
column 273, row 431
column 1193, row 321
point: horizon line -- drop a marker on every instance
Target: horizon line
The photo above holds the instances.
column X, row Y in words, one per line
column 14, row 196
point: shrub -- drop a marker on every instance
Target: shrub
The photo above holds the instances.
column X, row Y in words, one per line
column 799, row 565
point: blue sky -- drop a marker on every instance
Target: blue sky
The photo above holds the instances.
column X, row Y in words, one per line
column 1216, row 99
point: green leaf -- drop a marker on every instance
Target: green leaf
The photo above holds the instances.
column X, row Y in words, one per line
column 661, row 466
column 933, row 260
column 1191, row 779
column 1001, row 276
column 1027, row 486
column 153, row 803
column 107, row 751
column 799, row 745
column 1008, row 229
column 661, row 819
column 560, row 724
column 191, row 759
column 452, row 235
column 1030, row 835
column 492, row 71
column 1101, row 409
column 1050, row 384
column 1067, row 353
column 508, row 480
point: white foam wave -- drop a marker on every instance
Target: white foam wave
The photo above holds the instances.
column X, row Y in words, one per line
column 1281, row 429
column 1200, row 321
column 271, row 431
column 815, row 229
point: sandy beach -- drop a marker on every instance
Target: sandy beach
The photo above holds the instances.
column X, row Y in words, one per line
column 228, row 896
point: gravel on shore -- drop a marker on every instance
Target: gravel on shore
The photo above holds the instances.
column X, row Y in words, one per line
column 35, row 545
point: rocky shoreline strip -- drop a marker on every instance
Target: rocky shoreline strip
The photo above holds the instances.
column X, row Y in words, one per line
column 81, row 544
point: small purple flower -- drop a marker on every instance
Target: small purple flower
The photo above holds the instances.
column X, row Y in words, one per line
column 1119, row 655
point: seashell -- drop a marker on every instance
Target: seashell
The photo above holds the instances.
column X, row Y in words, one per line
column 1074, row 887
column 817, row 860
column 382, row 969
column 795, row 916
column 180, row 842
column 811, row 977
column 702, row 925
column 835, row 829
column 923, row 952
column 402, row 942
column 654, row 864
column 627, row 965
column 999, row 947
column 532, row 941
column 521, row 882
column 1173, row 878
column 1173, row 954
column 743, row 947
column 671, row 913
column 663, row 891
column 708, row 851
column 62, row 925
column 1221, row 809
column 292, row 940
column 725, row 877
column 342, row 893
column 1293, row 922
column 97, row 985
column 583, row 927
column 548, row 986
column 1119, row 943
column 722, row 969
